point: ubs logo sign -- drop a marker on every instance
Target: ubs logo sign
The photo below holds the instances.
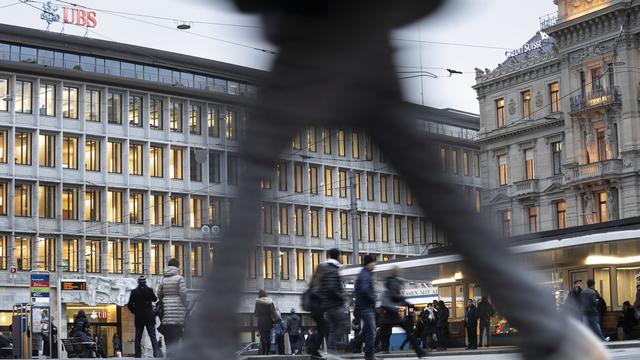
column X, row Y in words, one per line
column 74, row 16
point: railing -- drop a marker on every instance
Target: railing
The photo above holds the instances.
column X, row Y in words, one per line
column 526, row 187
column 596, row 98
column 548, row 20
column 598, row 169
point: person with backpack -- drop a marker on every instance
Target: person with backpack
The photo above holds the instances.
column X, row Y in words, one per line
column 332, row 298
column 173, row 299
column 141, row 305
column 293, row 329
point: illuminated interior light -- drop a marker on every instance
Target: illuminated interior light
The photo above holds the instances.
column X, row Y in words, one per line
column 602, row 260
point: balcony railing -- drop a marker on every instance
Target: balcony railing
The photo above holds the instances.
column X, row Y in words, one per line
column 596, row 170
column 526, row 187
column 594, row 99
column 548, row 20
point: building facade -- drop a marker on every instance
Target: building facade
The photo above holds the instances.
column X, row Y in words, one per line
column 559, row 138
column 116, row 158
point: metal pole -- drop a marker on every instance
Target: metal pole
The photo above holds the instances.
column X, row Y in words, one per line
column 354, row 218
column 59, row 316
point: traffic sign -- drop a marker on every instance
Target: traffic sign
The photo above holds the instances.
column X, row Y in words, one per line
column 40, row 290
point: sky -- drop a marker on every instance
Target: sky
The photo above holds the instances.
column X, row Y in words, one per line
column 220, row 33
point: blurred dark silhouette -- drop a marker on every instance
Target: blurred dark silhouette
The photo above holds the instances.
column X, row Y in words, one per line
column 334, row 68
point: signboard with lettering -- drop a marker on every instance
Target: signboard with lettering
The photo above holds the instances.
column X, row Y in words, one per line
column 71, row 15
column 73, row 284
column 423, row 291
column 533, row 45
column 40, row 292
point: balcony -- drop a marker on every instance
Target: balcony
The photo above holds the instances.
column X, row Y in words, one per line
column 595, row 170
column 526, row 187
column 597, row 98
column 548, row 20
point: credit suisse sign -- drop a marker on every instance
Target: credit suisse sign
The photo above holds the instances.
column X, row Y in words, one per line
column 70, row 15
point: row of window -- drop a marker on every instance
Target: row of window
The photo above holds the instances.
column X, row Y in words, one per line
column 23, row 99
column 525, row 101
column 272, row 267
column 46, row 57
column 450, row 161
column 529, row 163
column 39, row 253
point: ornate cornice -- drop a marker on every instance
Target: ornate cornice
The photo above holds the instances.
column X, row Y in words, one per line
column 509, row 75
column 519, row 128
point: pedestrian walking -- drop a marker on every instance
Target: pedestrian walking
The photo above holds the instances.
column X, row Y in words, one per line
column 573, row 303
column 409, row 322
column 442, row 325
column 116, row 342
column 264, row 311
column 293, row 329
column 332, row 296
column 429, row 321
column 485, row 312
column 141, row 305
column 590, row 312
column 365, row 306
column 391, row 300
column 172, row 293
column 471, row 324
column 627, row 320
column 318, row 79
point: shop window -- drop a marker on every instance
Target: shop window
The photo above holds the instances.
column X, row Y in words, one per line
column 114, row 256
column 602, row 277
column 70, row 255
column 114, row 155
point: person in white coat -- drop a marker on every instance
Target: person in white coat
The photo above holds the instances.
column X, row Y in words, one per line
column 173, row 294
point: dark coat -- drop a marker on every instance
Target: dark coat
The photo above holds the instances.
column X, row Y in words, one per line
column 442, row 317
column 471, row 316
column 365, row 294
column 589, row 302
column 141, row 305
column 330, row 288
column 485, row 310
column 264, row 312
column 293, row 324
column 428, row 321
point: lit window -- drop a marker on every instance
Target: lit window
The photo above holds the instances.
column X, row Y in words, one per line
column 23, row 148
column 157, row 258
column 195, row 209
column 92, row 155
column 47, row 99
column 529, row 164
column 177, row 211
column 371, row 222
column 328, row 181
column 313, row 180
column 70, row 204
column 410, row 231
column 157, row 209
column 454, row 161
column 284, row 264
column 176, row 163
column 533, row 218
column 114, row 206
column 22, row 252
column 135, row 111
column 267, row 219
column 443, row 159
column 315, row 260
column 155, row 114
column 283, row 220
column 70, row 102
column 46, row 259
column 135, row 159
column 177, row 252
column 268, row 264
column 341, row 143
column 114, row 254
column 315, row 227
column 505, row 217
column 114, row 108
column 299, row 221
column 213, row 123
column 368, row 148
column 561, row 214
column 329, row 223
column 4, row 94
column 357, row 181
column 342, row 180
column 70, row 152
column 476, row 164
column 297, row 177
column 383, row 188
column 114, row 155
column 70, row 255
column 554, row 94
column 22, row 100
column 465, row 163
column 344, row 225
column 370, row 187
column 215, row 211
column 136, row 207
column 136, row 257
column 155, row 161
column 396, row 190
column 195, row 126
column 355, row 144
column 47, row 153
column 500, row 117
column 22, row 200
column 92, row 204
column 300, row 264
column 311, row 139
column 397, row 228
column 526, row 104
column 92, row 105
column 3, row 146
column 175, row 118
column 602, row 206
column 409, row 195
column 92, row 251
column 503, row 170
column 326, row 140
column 297, row 141
column 197, row 263
column 231, row 125
column 384, row 221
column 47, row 201
column 195, row 165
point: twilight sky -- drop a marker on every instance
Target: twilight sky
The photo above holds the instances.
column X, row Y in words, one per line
column 497, row 24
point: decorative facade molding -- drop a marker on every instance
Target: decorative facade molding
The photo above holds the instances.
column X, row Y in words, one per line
column 504, row 133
